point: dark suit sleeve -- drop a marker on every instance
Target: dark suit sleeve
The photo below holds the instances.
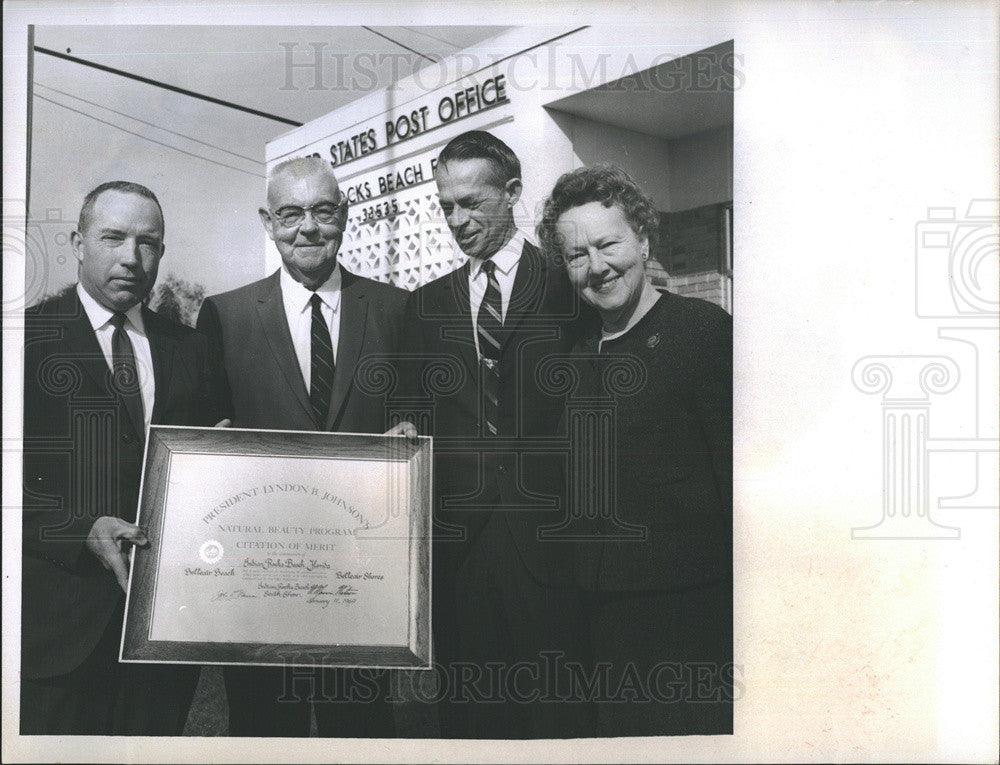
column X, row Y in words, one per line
column 409, row 364
column 215, row 380
column 713, row 394
column 396, row 308
column 212, row 398
column 45, row 491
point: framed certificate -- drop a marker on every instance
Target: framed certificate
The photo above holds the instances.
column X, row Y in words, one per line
column 279, row 547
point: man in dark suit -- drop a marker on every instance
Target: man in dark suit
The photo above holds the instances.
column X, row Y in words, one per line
column 99, row 367
column 504, row 604
column 291, row 344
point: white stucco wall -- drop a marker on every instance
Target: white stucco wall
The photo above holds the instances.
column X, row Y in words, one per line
column 538, row 66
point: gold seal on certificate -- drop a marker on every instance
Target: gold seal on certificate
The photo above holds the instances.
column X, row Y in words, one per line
column 272, row 547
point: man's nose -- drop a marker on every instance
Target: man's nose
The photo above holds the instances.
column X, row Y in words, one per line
column 308, row 224
column 458, row 217
column 130, row 254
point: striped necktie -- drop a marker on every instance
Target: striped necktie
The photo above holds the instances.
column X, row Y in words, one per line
column 321, row 364
column 489, row 329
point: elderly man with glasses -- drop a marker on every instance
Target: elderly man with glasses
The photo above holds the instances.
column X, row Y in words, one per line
column 290, row 344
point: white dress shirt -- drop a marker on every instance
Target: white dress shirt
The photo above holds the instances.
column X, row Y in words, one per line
column 100, row 320
column 506, row 258
column 298, row 311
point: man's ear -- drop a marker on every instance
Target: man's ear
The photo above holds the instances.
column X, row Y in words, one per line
column 267, row 220
column 342, row 206
column 512, row 189
column 76, row 240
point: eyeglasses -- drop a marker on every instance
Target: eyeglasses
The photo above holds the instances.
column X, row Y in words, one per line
column 290, row 217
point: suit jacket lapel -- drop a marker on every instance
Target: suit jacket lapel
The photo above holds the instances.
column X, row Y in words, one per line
column 274, row 328
column 82, row 342
column 353, row 318
column 461, row 308
column 162, row 349
column 529, row 287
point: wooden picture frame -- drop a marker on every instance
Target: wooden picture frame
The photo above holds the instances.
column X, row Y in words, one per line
column 282, row 548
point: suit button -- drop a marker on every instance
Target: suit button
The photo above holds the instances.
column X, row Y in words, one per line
column 127, row 438
column 502, row 469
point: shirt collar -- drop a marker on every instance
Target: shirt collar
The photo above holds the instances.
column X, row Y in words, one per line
column 505, row 258
column 100, row 315
column 298, row 297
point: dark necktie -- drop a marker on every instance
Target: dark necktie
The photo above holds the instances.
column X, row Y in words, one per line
column 125, row 377
column 489, row 329
column 321, row 366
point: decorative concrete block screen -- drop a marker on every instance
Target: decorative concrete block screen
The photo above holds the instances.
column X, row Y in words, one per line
column 407, row 249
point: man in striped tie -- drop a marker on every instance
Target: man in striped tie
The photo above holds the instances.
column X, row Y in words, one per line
column 506, row 614
column 290, row 344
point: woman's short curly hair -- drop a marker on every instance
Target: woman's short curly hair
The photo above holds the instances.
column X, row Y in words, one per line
column 604, row 183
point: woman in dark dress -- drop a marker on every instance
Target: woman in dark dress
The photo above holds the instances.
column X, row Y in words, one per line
column 657, row 570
